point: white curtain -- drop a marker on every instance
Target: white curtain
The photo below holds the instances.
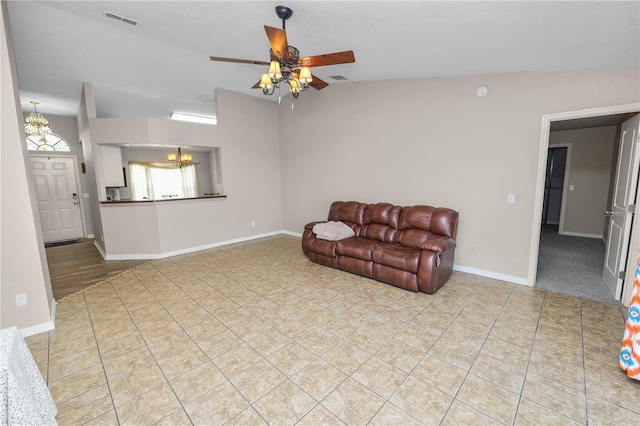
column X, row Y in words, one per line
column 157, row 181
column 141, row 188
column 189, row 181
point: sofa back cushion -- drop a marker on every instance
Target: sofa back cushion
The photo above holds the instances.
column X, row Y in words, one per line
column 381, row 222
column 410, row 226
column 418, row 223
column 349, row 212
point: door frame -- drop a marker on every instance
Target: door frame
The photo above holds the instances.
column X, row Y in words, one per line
column 74, row 157
column 541, row 173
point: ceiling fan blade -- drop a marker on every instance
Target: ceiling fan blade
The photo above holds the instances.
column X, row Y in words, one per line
column 239, row 61
column 278, row 41
column 318, row 84
column 257, row 85
column 336, row 58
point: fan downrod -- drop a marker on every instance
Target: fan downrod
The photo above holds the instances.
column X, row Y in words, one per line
column 283, row 13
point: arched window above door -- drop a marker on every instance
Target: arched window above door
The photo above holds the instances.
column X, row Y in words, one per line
column 50, row 142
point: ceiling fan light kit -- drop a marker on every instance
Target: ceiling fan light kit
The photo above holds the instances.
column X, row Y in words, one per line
column 285, row 64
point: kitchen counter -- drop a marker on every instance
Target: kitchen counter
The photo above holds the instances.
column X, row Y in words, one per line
column 160, row 200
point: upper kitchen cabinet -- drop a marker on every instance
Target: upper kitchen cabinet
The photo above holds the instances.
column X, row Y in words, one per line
column 113, row 175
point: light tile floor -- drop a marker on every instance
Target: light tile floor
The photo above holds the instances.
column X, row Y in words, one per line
column 255, row 333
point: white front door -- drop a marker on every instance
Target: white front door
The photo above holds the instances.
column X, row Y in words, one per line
column 57, row 197
column 621, row 211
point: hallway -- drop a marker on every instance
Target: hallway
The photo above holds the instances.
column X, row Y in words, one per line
column 77, row 266
column 572, row 266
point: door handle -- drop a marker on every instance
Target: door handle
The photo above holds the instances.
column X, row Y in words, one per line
column 612, row 213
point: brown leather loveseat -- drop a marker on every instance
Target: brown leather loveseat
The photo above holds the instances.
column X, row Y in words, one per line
column 410, row 247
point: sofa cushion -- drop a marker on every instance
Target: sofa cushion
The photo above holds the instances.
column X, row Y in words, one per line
column 359, row 248
column 323, row 247
column 381, row 222
column 383, row 213
column 347, row 211
column 414, row 238
column 418, row 217
column 438, row 220
column 397, row 256
column 378, row 232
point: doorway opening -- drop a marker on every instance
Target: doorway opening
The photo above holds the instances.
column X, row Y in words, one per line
column 554, row 185
column 569, row 263
column 614, row 115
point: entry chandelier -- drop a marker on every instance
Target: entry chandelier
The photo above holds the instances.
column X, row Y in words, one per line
column 36, row 124
column 180, row 160
column 282, row 71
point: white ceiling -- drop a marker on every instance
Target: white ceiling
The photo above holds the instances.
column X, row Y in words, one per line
column 162, row 64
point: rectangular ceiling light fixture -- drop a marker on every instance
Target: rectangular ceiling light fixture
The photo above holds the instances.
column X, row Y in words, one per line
column 194, row 118
column 120, row 18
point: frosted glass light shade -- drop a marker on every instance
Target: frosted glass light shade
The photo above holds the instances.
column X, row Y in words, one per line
column 305, row 75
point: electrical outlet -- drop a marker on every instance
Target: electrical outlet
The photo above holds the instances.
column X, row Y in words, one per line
column 511, row 199
column 253, row 224
column 21, row 299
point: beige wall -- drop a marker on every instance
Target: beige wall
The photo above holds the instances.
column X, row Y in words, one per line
column 247, row 136
column 87, row 111
column 589, row 172
column 432, row 141
column 23, row 264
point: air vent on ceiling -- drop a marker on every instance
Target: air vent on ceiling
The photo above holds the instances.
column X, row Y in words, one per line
column 338, row 77
column 120, row 18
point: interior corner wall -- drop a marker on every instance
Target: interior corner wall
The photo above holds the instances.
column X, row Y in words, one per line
column 87, row 111
column 592, row 152
column 433, row 141
column 23, row 262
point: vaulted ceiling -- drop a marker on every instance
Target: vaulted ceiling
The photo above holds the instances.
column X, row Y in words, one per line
column 162, row 63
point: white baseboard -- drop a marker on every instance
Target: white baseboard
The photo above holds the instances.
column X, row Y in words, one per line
column 490, row 274
column 293, row 234
column 153, row 256
column 102, row 253
column 579, row 234
column 44, row 327
column 90, row 236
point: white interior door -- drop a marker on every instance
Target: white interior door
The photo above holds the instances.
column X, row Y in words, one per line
column 57, row 197
column 621, row 211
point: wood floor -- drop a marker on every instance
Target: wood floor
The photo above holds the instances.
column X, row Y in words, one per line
column 76, row 266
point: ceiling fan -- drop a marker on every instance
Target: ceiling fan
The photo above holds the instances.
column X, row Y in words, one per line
column 286, row 65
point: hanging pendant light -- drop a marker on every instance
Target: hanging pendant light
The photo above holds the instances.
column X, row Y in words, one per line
column 179, row 160
column 35, row 124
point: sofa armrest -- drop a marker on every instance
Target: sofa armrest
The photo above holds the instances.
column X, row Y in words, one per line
column 310, row 225
column 439, row 244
